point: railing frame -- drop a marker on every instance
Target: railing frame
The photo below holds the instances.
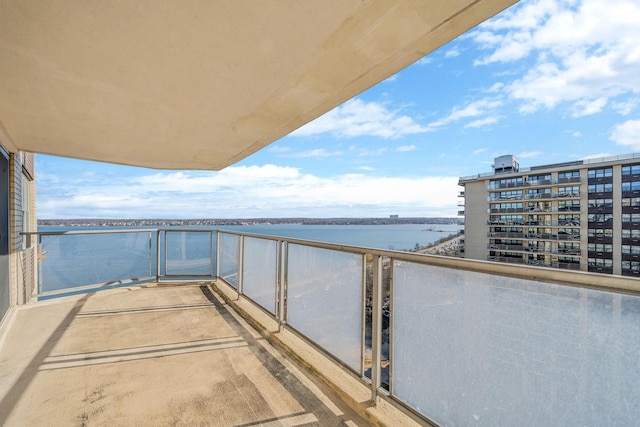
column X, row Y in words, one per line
column 578, row 279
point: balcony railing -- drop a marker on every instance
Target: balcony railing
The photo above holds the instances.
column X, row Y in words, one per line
column 453, row 341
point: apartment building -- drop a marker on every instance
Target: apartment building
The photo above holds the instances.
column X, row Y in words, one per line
column 581, row 215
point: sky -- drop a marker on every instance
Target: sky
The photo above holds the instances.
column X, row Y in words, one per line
column 549, row 81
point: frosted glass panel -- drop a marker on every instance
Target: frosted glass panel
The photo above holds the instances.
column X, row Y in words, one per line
column 484, row 350
column 189, row 253
column 229, row 258
column 259, row 275
column 86, row 259
column 325, row 300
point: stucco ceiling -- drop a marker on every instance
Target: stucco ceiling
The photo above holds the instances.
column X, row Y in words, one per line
column 195, row 84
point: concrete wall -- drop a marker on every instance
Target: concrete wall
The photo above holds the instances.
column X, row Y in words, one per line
column 475, row 220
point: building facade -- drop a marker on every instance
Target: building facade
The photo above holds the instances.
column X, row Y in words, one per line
column 17, row 216
column 582, row 215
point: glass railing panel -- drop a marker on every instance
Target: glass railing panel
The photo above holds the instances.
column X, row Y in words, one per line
column 189, row 253
column 325, row 300
column 479, row 349
column 72, row 260
column 229, row 258
column 259, row 272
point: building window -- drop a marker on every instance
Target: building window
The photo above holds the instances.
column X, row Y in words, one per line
column 568, row 220
column 631, row 265
column 631, row 186
column 506, row 195
column 631, row 234
column 573, row 191
column 631, row 217
column 604, row 217
column 569, row 174
column 631, row 170
column 600, row 247
column 600, row 203
column 569, row 205
column 600, row 263
column 630, row 201
column 600, row 188
column 600, row 232
column 631, row 249
column 600, row 173
column 505, row 183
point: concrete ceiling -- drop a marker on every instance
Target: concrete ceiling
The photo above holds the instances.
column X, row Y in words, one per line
column 195, row 84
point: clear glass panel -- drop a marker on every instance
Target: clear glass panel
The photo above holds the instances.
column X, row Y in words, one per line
column 229, row 258
column 189, row 253
column 259, row 274
column 325, row 300
column 85, row 259
column 485, row 350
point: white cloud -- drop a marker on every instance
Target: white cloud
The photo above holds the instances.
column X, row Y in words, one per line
column 585, row 53
column 254, row 191
column 586, row 107
column 529, row 154
column 482, row 122
column 424, row 61
column 452, row 53
column 479, row 151
column 317, row 153
column 626, row 107
column 577, row 134
column 470, row 110
column 359, row 118
column 404, row 148
column 627, row 134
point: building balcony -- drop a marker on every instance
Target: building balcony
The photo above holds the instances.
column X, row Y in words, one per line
column 200, row 327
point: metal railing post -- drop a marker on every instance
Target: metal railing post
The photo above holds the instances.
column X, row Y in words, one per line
column 157, row 256
column 281, row 292
column 376, row 327
column 218, row 244
column 240, row 263
column 211, row 253
column 40, row 257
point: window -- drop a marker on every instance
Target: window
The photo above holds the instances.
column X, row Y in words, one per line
column 600, row 173
column 537, row 179
column 569, row 174
column 600, row 232
column 631, row 170
column 571, row 231
column 631, row 186
column 631, row 201
column 631, row 234
column 569, row 205
column 507, row 195
column 568, row 220
column 600, row 203
column 506, row 206
column 631, row 249
column 631, row 217
column 600, row 247
column 505, row 183
column 600, row 188
column 573, row 191
column 600, row 263
column 603, row 217
column 631, row 265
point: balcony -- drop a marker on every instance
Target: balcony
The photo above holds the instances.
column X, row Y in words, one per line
column 192, row 325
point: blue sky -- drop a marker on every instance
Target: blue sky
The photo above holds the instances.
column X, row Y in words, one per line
column 549, row 81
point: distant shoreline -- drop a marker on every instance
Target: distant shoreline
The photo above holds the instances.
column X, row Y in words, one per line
column 103, row 222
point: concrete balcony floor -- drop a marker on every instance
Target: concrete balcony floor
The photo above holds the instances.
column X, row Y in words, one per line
column 148, row 356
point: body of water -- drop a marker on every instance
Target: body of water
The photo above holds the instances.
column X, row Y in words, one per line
column 395, row 236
